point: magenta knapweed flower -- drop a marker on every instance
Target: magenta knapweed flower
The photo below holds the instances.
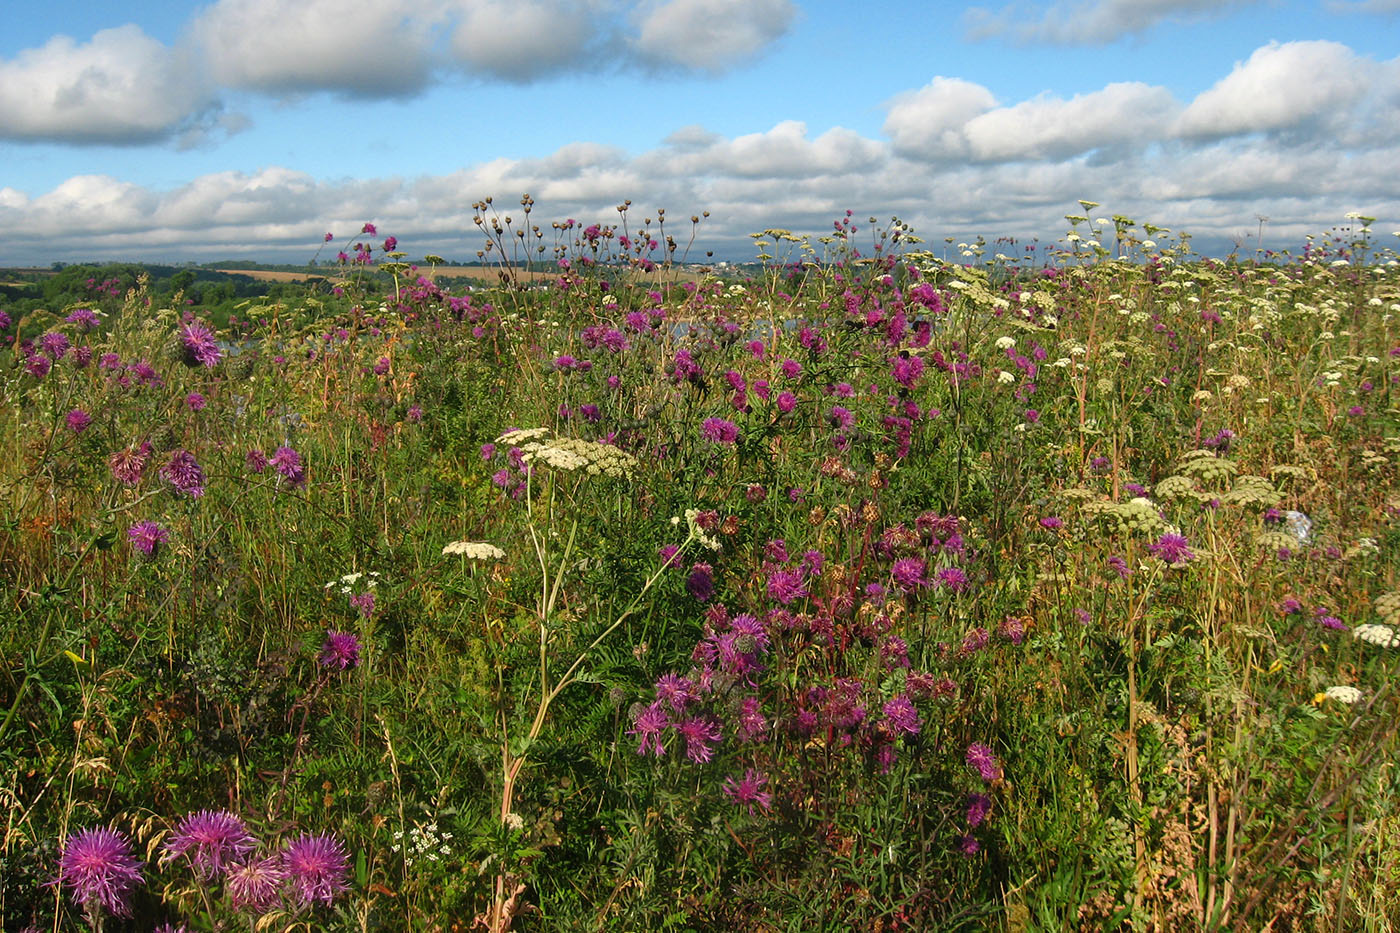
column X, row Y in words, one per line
column 786, row 586
column 255, row 460
column 340, row 650
column 147, row 537
column 369, row 228
column 699, row 733
column 650, row 723
column 54, row 345
column 978, row 806
column 675, row 691
column 255, row 885
column 748, row 791
column 200, row 347
column 288, row 462
column 902, row 716
column 908, row 573
column 211, row 840
column 701, row 582
column 720, row 431
column 99, row 869
column 184, row 474
column 195, row 401
column 391, row 243
column 78, row 420
column 982, row 760
column 85, row 318
column 1172, row 549
column 317, row 867
column 128, row 465
column 786, row 402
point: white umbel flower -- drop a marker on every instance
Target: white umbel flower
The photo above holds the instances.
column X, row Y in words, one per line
column 476, row 550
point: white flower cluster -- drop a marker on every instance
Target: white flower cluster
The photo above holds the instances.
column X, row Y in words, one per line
column 693, row 525
column 422, row 842
column 569, row 453
column 1005, row 343
column 476, row 550
column 1383, row 636
column 1347, row 695
column 347, row 582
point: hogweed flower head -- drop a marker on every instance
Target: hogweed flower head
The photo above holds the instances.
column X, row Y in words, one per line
column 99, row 869
column 475, row 550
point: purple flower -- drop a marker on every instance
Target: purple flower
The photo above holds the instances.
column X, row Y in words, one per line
column 701, row 582
column 85, row 318
column 786, row 402
column 908, row 573
column 200, row 347
column 748, row 790
column 752, row 723
column 369, row 229
column 675, row 691
column 1052, row 523
column 212, row 840
column 1173, row 549
column 256, row 461
column 38, row 366
column 390, row 244
column 127, row 465
column 147, row 537
column 841, row 418
column 786, row 586
column 953, row 578
column 981, row 759
column 968, row 845
column 317, row 867
column 699, row 732
column 195, row 402
column 54, row 345
column 255, row 885
column 978, row 806
column 99, row 869
column 720, row 431
column 78, row 420
column 649, row 725
column 340, row 650
column 288, row 463
column 902, row 716
column 184, row 474
column 1119, row 566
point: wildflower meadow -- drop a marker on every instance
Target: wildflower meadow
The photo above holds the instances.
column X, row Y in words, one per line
column 874, row 585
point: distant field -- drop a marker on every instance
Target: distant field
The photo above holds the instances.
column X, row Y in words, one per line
column 480, row 273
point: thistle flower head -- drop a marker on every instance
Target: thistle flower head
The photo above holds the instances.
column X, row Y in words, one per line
column 211, row 840
column 99, row 870
column 316, row 867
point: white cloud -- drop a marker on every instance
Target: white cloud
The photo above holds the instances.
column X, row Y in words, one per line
column 120, row 87
column 298, row 46
column 929, row 122
column 782, row 152
column 1086, row 22
column 1281, row 87
column 519, row 40
column 1048, row 127
column 710, row 35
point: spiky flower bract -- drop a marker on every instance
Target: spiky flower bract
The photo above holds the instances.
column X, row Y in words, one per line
column 99, row 870
column 211, row 840
column 317, row 867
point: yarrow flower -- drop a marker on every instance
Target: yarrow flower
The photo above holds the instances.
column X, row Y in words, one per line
column 1382, row 636
column 1344, row 694
column 147, row 537
column 316, row 867
column 99, row 869
column 212, row 840
column 476, row 550
column 340, row 650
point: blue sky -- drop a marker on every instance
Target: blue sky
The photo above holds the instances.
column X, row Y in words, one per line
column 173, row 130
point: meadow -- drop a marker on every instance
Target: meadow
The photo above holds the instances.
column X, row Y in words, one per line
column 990, row 587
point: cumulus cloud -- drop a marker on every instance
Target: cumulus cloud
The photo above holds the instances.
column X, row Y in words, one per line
column 1281, row 87
column 710, row 35
column 1086, row 22
column 930, row 122
column 519, row 40
column 122, row 86
column 952, row 161
column 281, row 47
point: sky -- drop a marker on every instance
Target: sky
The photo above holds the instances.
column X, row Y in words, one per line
column 180, row 131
